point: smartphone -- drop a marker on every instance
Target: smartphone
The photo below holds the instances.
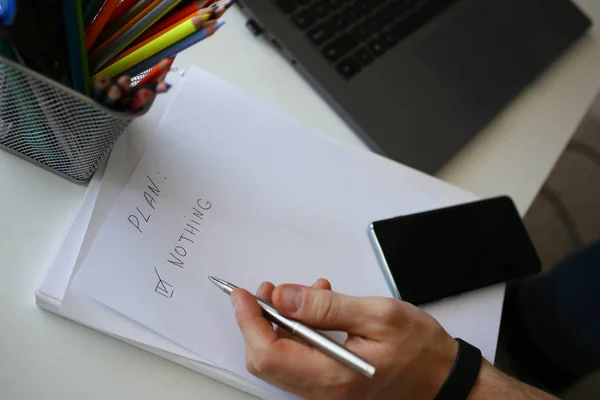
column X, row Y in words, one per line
column 441, row 253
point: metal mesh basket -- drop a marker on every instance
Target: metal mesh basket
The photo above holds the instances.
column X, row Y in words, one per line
column 54, row 126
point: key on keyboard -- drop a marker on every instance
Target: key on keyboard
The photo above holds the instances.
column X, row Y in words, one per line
column 339, row 26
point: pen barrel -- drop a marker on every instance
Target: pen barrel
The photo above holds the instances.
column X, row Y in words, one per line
column 333, row 349
column 318, row 340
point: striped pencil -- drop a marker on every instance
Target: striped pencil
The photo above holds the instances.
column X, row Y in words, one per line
column 173, row 18
column 92, row 32
column 173, row 36
column 209, row 29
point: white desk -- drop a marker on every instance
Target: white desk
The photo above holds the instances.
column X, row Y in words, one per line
column 43, row 356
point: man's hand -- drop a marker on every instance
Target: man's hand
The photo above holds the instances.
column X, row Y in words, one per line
column 411, row 351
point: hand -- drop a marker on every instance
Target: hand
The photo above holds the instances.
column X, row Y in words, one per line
column 412, row 353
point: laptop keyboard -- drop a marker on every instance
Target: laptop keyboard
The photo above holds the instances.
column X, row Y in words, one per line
column 352, row 34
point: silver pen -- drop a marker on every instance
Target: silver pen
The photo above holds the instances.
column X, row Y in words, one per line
column 309, row 335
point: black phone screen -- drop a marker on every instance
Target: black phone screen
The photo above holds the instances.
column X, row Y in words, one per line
column 441, row 253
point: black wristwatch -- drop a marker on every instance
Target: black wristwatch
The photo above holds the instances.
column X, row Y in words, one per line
column 463, row 374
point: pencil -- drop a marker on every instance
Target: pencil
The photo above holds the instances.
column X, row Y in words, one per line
column 202, row 14
column 209, row 29
column 124, row 36
column 150, row 49
column 172, row 18
column 215, row 11
column 92, row 32
column 121, row 8
column 100, row 86
column 113, row 95
column 124, row 83
column 90, row 11
column 136, row 11
column 161, row 69
column 141, row 98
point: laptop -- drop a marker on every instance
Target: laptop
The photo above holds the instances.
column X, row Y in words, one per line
column 418, row 79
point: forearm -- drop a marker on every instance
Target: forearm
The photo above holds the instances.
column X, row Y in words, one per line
column 493, row 384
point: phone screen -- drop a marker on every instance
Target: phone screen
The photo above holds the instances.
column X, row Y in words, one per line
column 436, row 254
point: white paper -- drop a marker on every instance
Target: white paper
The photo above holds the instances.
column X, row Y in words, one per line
column 278, row 203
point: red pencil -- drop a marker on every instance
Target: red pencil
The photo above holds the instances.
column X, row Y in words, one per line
column 161, row 69
column 172, row 19
column 92, row 32
column 140, row 99
column 122, row 7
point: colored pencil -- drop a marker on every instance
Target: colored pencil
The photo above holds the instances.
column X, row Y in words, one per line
column 100, row 87
column 124, row 83
column 134, row 13
column 92, row 32
column 140, row 99
column 215, row 11
column 160, row 70
column 173, row 18
column 113, row 95
column 209, row 29
column 121, row 8
column 202, row 14
column 173, row 36
column 90, row 10
column 78, row 64
column 118, row 41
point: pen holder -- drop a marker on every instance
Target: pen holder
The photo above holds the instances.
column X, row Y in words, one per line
column 53, row 126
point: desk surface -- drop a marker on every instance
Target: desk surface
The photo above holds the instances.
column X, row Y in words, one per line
column 44, row 356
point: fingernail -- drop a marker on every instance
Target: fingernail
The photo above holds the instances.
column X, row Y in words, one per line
column 291, row 298
column 234, row 302
column 316, row 284
column 259, row 288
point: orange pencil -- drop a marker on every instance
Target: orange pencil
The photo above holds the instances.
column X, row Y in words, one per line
column 100, row 49
column 91, row 34
column 121, row 8
column 161, row 69
column 173, row 18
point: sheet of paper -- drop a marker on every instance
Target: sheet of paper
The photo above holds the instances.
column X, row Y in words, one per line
column 231, row 189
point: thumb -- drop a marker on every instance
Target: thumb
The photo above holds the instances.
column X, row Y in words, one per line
column 324, row 309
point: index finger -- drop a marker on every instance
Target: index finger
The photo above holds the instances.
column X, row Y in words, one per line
column 285, row 363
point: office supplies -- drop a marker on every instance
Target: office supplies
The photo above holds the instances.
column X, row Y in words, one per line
column 160, row 70
column 91, row 10
column 169, row 52
column 124, row 83
column 100, row 86
column 440, row 253
column 120, row 40
column 141, row 97
column 78, row 65
column 417, row 80
column 92, row 32
column 113, row 95
column 352, row 187
column 123, row 6
column 210, row 13
column 159, row 44
column 129, row 17
column 173, row 18
column 312, row 337
column 471, row 315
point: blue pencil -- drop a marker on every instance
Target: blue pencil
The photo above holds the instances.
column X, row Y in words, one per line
column 172, row 50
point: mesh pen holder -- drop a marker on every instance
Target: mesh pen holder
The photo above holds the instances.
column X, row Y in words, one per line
column 53, row 126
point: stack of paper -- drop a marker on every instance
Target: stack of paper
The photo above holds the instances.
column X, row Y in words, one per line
column 228, row 187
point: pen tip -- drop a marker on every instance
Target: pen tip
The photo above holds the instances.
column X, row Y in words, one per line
column 220, row 24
